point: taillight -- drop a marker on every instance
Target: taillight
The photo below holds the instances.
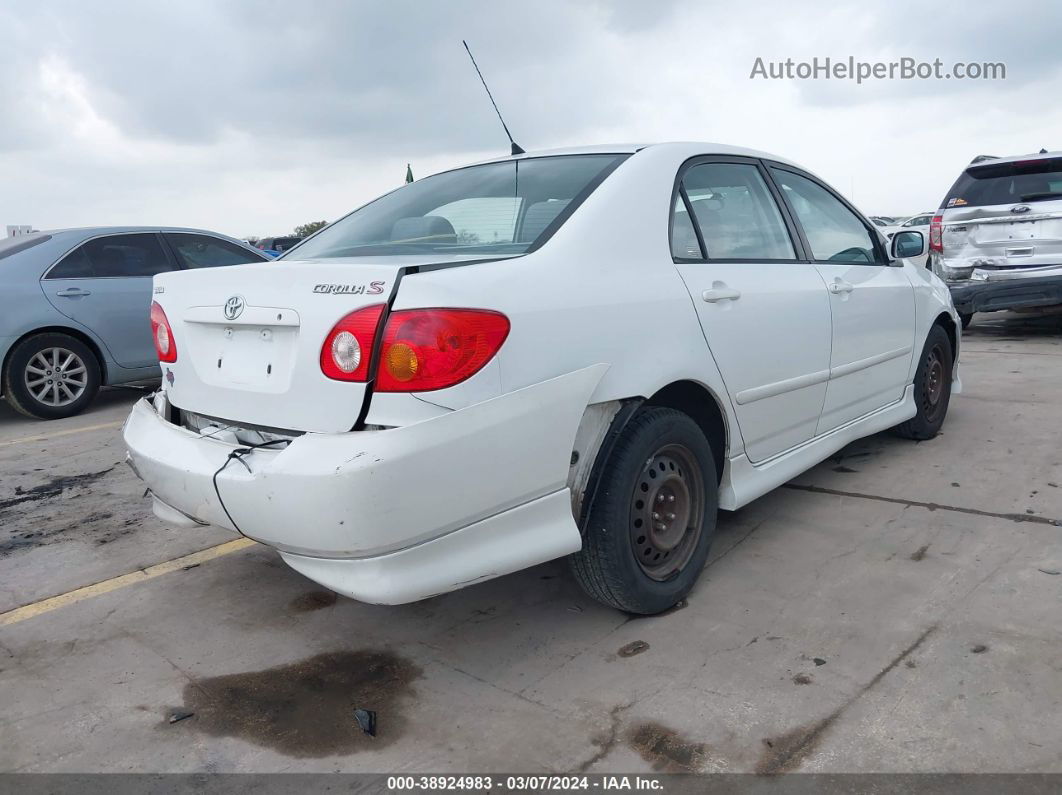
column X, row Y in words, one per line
column 425, row 349
column 162, row 334
column 348, row 346
column 936, row 234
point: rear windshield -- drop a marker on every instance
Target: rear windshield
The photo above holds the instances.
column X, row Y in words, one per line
column 495, row 209
column 1007, row 183
column 13, row 245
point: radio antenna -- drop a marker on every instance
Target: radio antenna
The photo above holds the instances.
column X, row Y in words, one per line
column 516, row 148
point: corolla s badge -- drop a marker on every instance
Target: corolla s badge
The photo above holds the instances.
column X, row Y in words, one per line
column 234, row 307
column 1020, row 208
column 373, row 288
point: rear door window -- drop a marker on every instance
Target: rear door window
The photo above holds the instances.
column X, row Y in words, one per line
column 1007, row 183
column 204, row 251
column 735, row 213
column 112, row 257
column 834, row 232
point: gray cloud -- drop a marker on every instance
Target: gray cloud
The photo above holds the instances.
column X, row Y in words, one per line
column 254, row 115
column 387, row 76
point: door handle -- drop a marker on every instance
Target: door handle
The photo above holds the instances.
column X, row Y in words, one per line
column 840, row 286
column 72, row 292
column 720, row 292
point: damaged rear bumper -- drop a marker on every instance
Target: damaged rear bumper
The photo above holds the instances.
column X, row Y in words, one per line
column 992, row 296
column 388, row 516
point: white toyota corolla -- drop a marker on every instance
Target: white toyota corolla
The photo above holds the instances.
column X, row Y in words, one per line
column 578, row 353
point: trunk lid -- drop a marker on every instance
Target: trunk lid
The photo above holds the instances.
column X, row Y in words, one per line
column 249, row 339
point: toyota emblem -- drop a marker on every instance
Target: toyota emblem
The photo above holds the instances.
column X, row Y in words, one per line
column 1020, row 208
column 234, row 306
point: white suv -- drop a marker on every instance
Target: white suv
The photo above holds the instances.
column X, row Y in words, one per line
column 578, row 353
column 997, row 239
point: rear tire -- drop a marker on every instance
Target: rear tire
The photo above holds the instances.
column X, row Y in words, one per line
column 932, row 388
column 50, row 376
column 651, row 521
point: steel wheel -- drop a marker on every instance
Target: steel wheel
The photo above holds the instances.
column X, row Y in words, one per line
column 934, row 383
column 56, row 376
column 667, row 512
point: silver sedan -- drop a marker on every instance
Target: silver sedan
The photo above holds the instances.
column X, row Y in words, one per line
column 74, row 308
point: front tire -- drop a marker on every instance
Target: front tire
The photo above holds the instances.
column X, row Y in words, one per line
column 651, row 521
column 50, row 376
column 932, row 388
column 965, row 317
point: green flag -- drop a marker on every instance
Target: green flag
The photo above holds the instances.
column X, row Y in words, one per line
column 409, row 174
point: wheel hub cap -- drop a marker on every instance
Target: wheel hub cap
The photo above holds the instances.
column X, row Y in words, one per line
column 56, row 376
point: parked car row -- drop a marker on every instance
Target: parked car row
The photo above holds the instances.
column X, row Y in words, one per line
column 74, row 308
column 582, row 353
column 275, row 246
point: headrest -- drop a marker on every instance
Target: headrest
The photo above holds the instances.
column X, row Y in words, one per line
column 422, row 227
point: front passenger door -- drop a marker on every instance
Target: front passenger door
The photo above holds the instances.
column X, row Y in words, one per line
column 872, row 302
column 764, row 312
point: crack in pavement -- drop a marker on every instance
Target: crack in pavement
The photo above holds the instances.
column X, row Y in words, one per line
column 930, row 506
column 609, row 741
column 785, row 753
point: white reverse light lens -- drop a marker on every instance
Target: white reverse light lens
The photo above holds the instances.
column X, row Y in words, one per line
column 162, row 336
column 346, row 352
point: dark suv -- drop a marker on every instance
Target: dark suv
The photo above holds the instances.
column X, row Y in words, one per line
column 997, row 239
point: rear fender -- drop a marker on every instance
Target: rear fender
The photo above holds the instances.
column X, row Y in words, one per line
column 368, row 493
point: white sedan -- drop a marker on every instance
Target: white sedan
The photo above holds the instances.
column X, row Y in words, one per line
column 580, row 353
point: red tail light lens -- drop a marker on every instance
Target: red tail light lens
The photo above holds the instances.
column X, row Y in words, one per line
column 162, row 334
column 425, row 349
column 936, row 234
column 348, row 346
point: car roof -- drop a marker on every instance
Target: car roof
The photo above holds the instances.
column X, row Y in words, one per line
column 1015, row 159
column 688, row 148
column 88, row 231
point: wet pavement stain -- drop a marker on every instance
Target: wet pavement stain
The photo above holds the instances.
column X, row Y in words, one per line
column 312, row 600
column 306, row 709
column 920, row 553
column 52, row 488
column 665, row 750
column 632, row 648
column 802, row 679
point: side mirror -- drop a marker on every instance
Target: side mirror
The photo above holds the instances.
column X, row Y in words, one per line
column 908, row 244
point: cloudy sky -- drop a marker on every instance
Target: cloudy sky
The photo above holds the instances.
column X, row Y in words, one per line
column 252, row 116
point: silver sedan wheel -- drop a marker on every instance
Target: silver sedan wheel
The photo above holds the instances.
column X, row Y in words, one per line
column 56, row 376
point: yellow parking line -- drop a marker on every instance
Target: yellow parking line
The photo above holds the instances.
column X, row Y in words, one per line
column 67, row 432
column 106, row 586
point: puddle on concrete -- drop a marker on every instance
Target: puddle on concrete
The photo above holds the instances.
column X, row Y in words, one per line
column 665, row 750
column 306, row 708
column 312, row 600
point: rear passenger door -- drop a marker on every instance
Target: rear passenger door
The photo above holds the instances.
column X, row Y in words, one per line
column 871, row 301
column 765, row 312
column 105, row 285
